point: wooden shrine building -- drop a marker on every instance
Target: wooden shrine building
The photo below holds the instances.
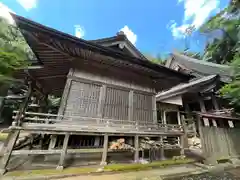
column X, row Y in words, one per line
column 204, row 113
column 108, row 90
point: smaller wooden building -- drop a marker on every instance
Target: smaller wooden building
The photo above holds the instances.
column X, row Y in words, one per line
column 202, row 110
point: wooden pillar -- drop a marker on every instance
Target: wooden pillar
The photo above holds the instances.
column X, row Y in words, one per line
column 216, row 107
column 53, row 141
column 182, row 144
column 203, row 109
column 185, row 131
column 164, row 117
column 162, row 155
column 105, row 150
column 136, row 146
column 179, row 118
column 154, row 104
column 43, row 109
column 130, row 106
column 101, row 101
column 65, row 93
column 63, row 153
column 52, row 144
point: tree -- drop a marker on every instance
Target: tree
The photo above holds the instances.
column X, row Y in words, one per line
column 231, row 91
column 14, row 51
column 225, row 47
column 14, row 55
column 223, row 30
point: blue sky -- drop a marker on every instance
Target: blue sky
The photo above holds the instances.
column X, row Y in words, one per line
column 154, row 26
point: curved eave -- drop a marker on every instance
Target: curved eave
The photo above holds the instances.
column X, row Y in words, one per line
column 26, row 24
column 196, row 85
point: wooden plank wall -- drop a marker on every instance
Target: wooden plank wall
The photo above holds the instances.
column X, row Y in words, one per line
column 82, row 100
column 120, row 101
column 142, row 108
column 116, row 104
column 220, row 142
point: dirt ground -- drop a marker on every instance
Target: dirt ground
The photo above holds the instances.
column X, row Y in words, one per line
column 138, row 175
column 232, row 174
column 120, row 176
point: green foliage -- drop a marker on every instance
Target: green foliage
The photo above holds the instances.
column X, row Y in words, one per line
column 224, row 29
column 9, row 62
column 14, row 51
column 231, row 91
column 224, row 48
column 156, row 59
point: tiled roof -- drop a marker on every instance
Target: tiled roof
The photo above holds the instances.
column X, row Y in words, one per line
column 201, row 68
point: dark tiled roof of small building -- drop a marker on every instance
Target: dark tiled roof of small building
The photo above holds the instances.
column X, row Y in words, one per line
column 200, row 68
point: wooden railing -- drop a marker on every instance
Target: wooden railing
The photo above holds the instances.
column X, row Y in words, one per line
column 77, row 123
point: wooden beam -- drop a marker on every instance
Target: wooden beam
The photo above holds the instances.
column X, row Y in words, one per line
column 34, row 83
column 56, row 151
column 13, row 136
column 51, row 77
column 63, row 153
column 39, row 41
column 92, row 133
column 105, row 150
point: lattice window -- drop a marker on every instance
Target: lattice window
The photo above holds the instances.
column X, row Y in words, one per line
column 142, row 108
column 83, row 99
column 116, row 104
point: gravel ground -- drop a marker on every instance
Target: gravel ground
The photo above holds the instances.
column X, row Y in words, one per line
column 208, row 176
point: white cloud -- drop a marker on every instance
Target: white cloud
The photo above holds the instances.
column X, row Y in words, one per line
column 179, row 31
column 28, row 4
column 195, row 14
column 79, row 31
column 4, row 13
column 132, row 37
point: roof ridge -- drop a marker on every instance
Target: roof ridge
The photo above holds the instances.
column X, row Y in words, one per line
column 200, row 61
